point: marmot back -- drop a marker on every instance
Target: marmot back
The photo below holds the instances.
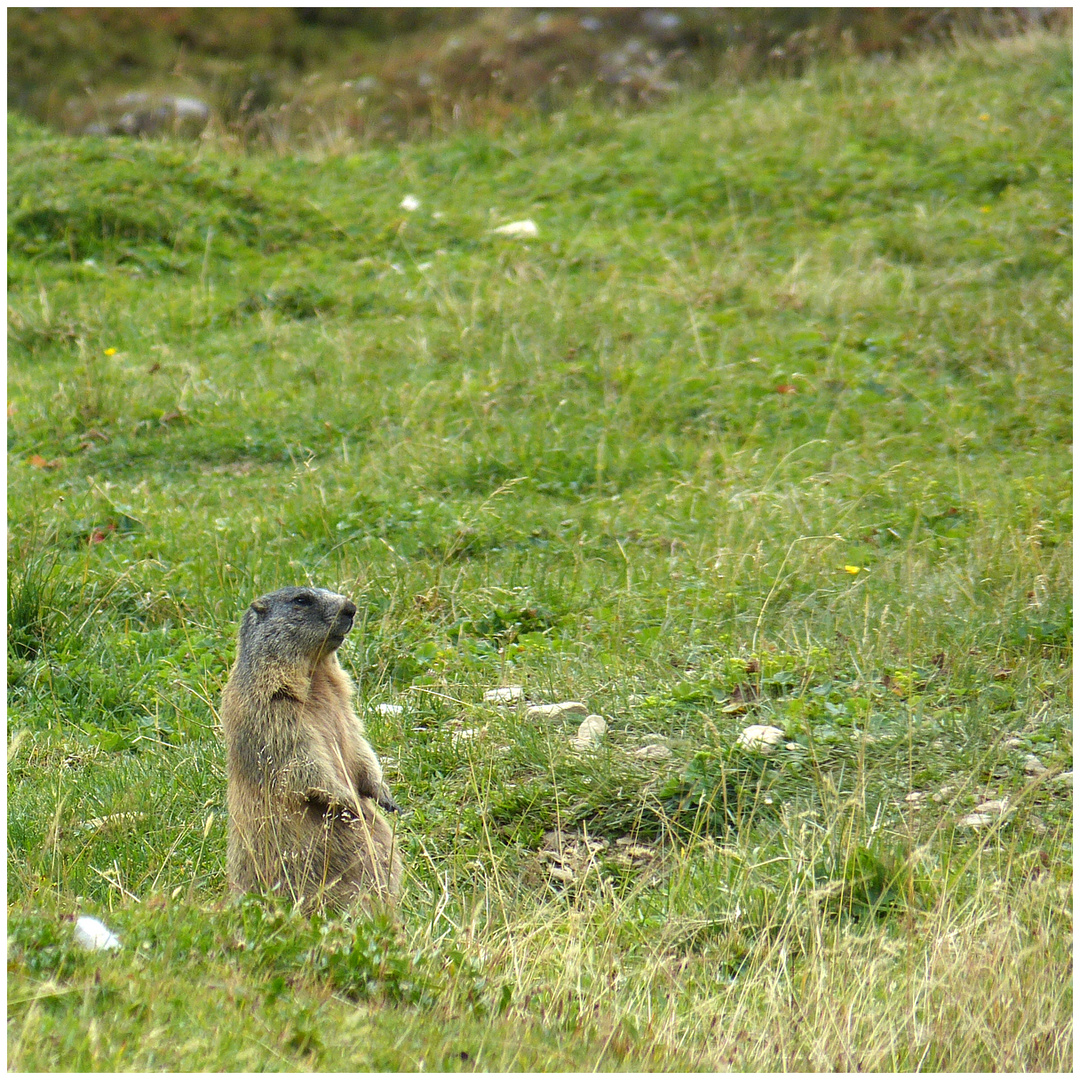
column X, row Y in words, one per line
column 304, row 783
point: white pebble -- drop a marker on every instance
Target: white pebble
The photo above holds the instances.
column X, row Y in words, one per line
column 761, row 737
column 386, row 709
column 652, row 752
column 505, row 695
column 520, row 229
column 94, row 935
column 410, row 203
column 465, row 734
column 1033, row 766
column 590, row 732
column 977, row 821
column 559, row 711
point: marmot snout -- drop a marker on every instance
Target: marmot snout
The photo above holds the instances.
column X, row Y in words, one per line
column 304, row 783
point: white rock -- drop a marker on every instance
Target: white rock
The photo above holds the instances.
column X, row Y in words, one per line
column 558, row 711
column 384, row 708
column 1065, row 779
column 915, row 797
column 653, row 752
column 465, row 734
column 410, row 203
column 505, row 695
column 993, row 806
column 94, row 935
column 1033, row 766
column 761, row 737
column 1013, row 744
column 520, row 229
column 591, row 731
column 977, row 821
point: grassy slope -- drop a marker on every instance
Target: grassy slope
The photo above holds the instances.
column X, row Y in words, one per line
column 571, row 463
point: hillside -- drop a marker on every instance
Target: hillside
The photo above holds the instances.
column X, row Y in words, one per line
column 769, row 423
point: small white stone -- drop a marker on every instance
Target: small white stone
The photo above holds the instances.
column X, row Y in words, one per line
column 591, row 731
column 519, row 229
column 94, row 935
column 384, row 708
column 653, row 752
column 761, row 737
column 915, row 797
column 505, row 695
column 977, row 821
column 1013, row 744
column 558, row 711
column 1065, row 779
column 465, row 734
column 410, row 203
column 993, row 806
column 1033, row 766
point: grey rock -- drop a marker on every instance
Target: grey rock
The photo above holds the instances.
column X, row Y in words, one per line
column 1033, row 766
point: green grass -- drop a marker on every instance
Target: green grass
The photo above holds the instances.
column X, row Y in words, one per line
column 770, row 424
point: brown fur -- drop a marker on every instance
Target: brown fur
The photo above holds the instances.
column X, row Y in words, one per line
column 304, row 783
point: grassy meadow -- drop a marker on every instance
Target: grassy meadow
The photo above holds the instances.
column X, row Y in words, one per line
column 770, row 423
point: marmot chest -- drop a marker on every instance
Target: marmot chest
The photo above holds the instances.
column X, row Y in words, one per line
column 332, row 730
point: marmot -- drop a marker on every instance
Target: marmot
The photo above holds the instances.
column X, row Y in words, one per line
column 303, row 780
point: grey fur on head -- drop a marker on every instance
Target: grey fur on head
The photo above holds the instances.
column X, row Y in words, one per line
column 292, row 627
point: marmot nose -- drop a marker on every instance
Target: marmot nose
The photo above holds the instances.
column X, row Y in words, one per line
column 348, row 608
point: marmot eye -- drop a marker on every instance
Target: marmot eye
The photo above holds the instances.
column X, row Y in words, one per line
column 302, row 600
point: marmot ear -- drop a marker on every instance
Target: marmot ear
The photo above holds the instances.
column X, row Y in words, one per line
column 259, row 607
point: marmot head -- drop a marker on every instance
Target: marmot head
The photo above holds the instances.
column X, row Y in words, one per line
column 294, row 626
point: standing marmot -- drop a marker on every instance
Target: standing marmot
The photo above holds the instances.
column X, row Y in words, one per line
column 303, row 780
